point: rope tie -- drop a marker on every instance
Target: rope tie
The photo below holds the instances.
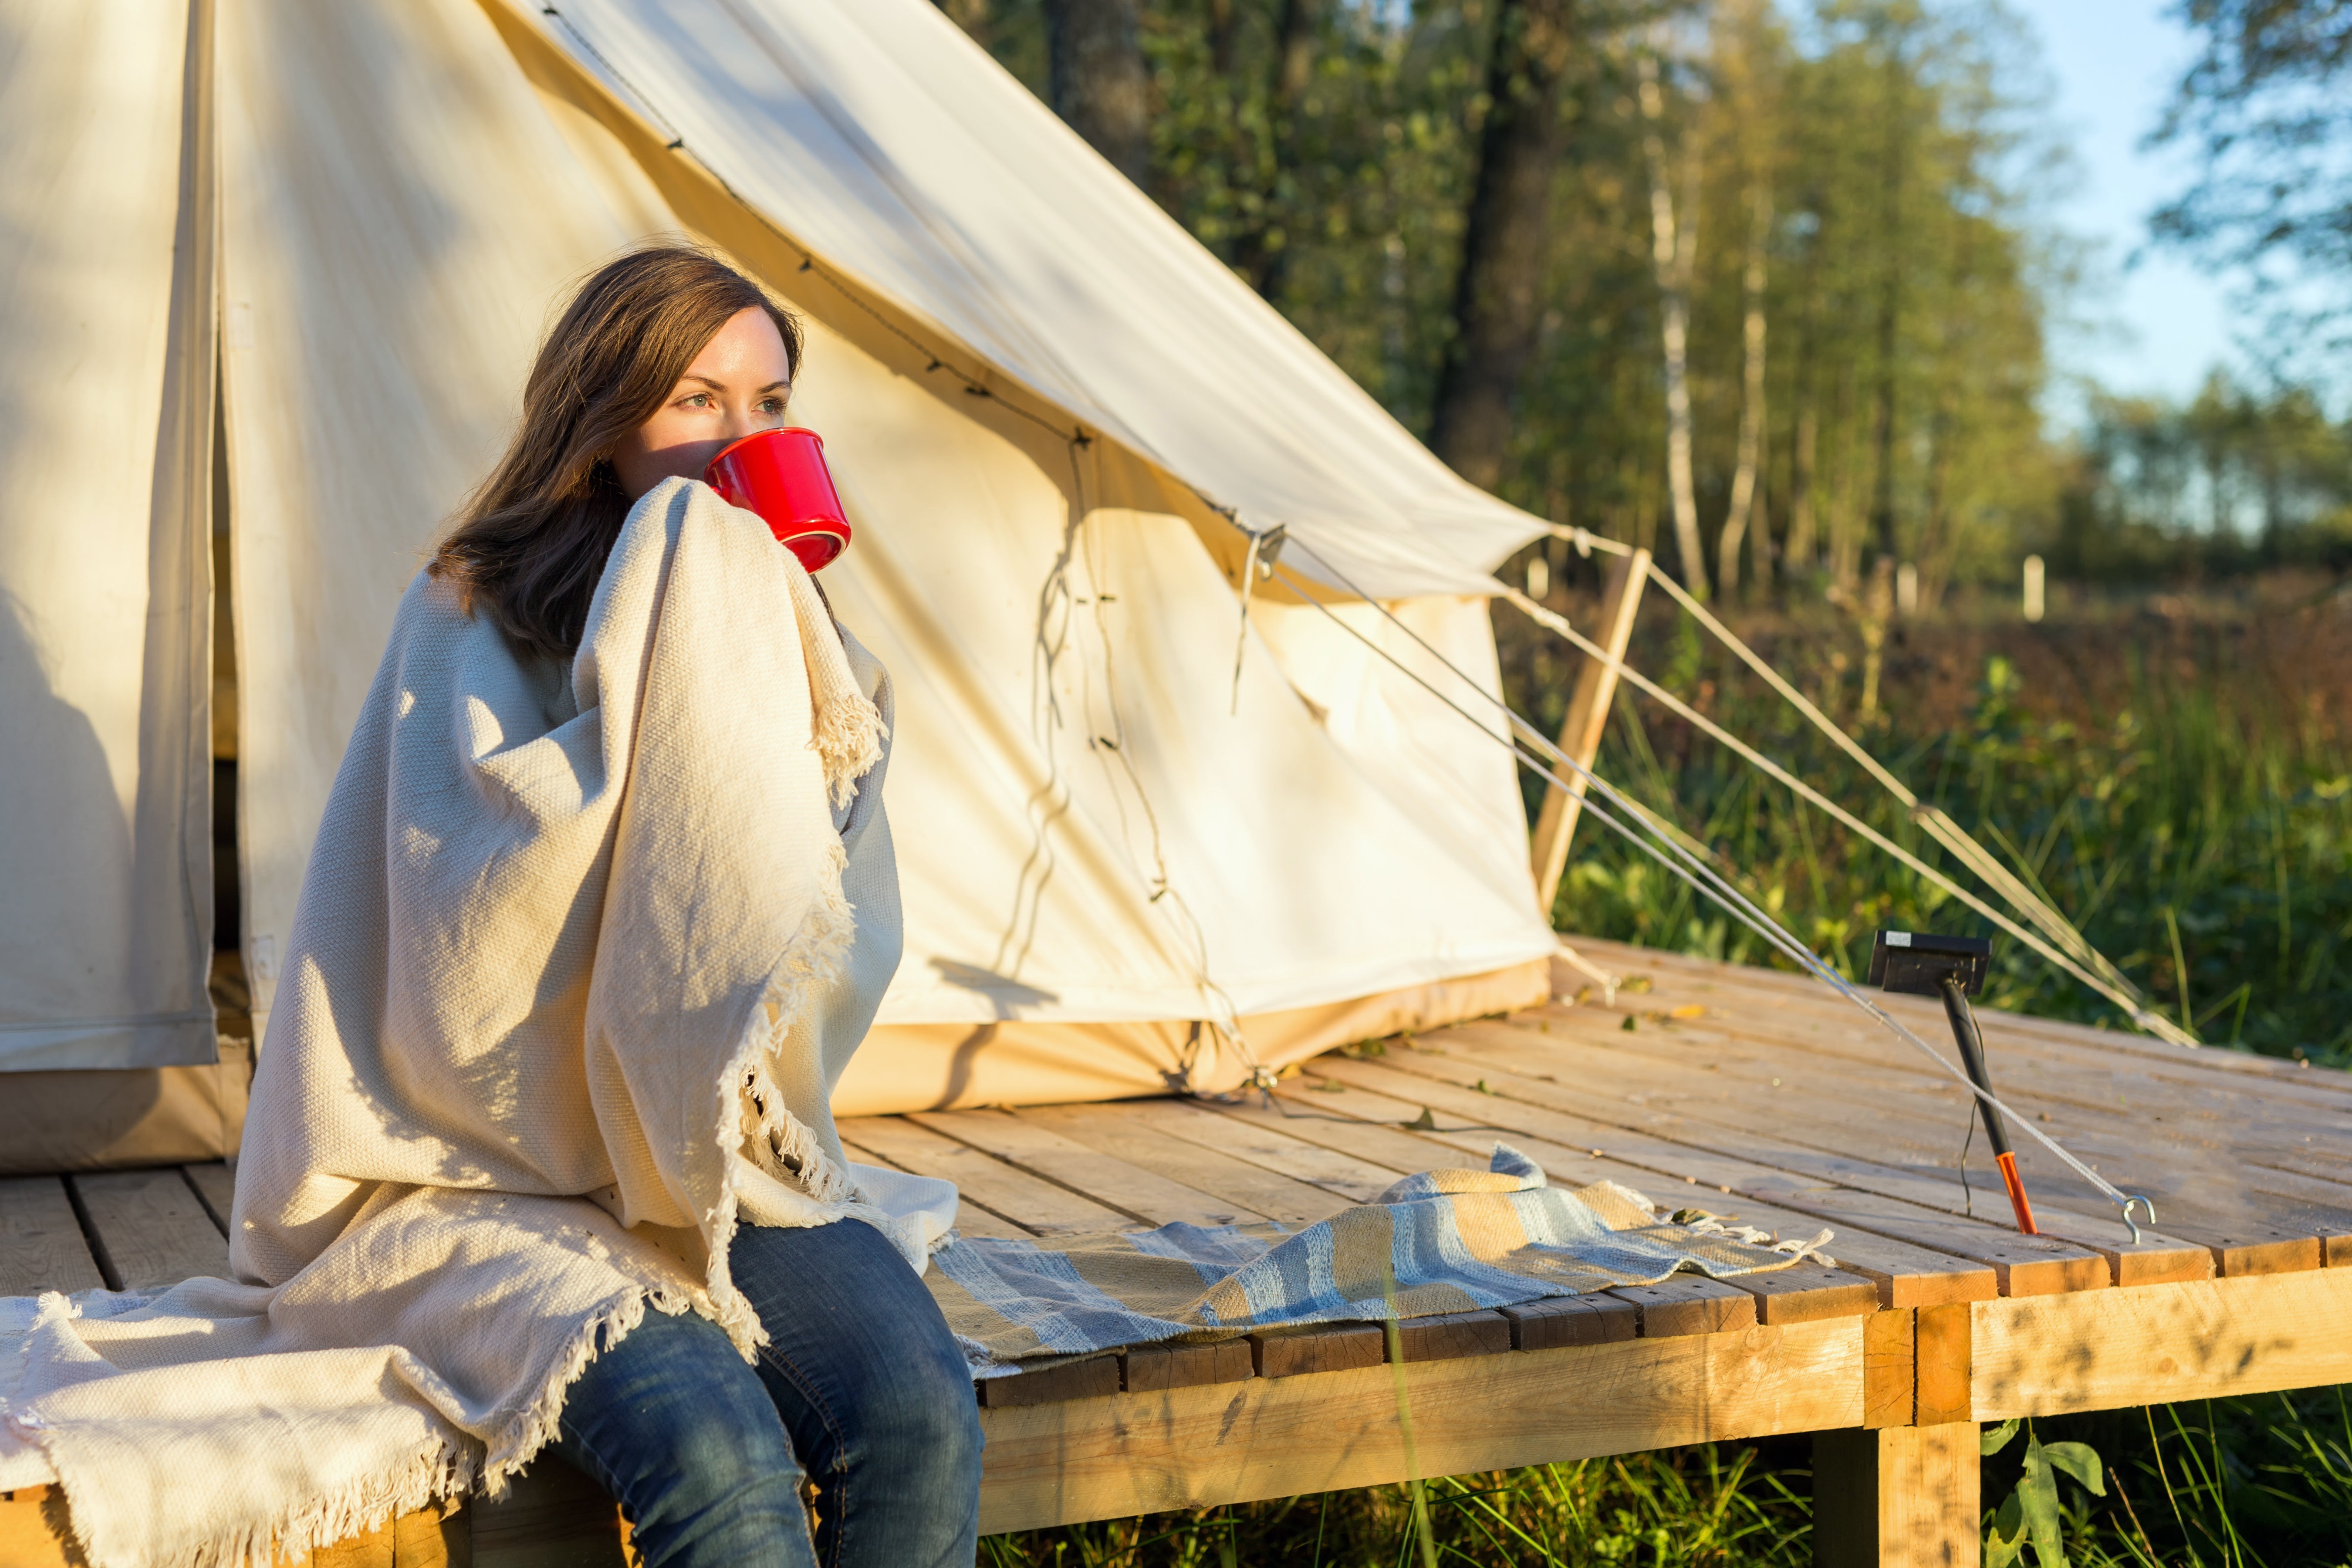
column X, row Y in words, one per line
column 1688, row 865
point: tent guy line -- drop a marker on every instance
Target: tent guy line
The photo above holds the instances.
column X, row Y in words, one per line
column 2108, row 981
column 1939, row 826
column 2122, row 998
column 1704, row 879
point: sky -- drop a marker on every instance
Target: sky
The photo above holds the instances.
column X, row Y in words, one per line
column 2154, row 326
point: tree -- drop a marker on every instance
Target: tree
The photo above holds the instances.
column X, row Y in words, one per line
column 1462, row 197
column 1099, row 82
column 2267, row 106
column 1744, row 69
column 972, row 15
column 1497, row 298
column 1262, row 250
column 1674, row 252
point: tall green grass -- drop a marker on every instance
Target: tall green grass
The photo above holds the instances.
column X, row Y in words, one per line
column 2183, row 793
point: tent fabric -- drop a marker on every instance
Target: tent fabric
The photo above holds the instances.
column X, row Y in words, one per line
column 106, row 271
column 398, row 211
column 1143, row 839
column 876, row 134
column 107, row 1120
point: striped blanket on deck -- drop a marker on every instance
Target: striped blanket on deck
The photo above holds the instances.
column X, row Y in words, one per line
column 1443, row 1241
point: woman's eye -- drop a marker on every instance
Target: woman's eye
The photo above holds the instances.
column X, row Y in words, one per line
column 699, row 400
column 772, row 405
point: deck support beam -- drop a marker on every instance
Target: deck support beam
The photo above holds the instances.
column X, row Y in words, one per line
column 1588, row 718
column 1903, row 1497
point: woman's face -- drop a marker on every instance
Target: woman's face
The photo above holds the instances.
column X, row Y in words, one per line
column 737, row 386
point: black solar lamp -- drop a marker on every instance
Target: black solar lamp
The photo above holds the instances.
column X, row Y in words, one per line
column 1953, row 967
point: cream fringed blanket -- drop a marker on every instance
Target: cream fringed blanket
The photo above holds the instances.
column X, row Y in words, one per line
column 612, row 930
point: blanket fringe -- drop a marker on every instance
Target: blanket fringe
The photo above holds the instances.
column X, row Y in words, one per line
column 538, row 1423
column 440, row 1469
column 752, row 1116
column 845, row 727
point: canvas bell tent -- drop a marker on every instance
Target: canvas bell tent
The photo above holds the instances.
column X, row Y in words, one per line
column 271, row 272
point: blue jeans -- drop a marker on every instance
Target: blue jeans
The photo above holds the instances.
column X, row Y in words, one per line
column 860, row 1389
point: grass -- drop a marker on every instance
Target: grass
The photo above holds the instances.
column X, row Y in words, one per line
column 2180, row 785
column 2175, row 773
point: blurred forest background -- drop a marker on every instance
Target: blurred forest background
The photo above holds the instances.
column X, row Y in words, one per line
column 1770, row 290
column 1766, row 288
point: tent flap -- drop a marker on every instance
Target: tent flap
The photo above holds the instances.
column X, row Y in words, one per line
column 107, row 315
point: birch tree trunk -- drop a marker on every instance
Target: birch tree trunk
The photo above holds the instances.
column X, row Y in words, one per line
column 1751, row 407
column 1673, row 249
column 1100, row 86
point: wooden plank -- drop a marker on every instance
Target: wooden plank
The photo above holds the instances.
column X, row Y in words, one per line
column 1325, row 1120
column 2203, row 1340
column 971, row 1219
column 1037, row 1206
column 1191, row 1448
column 1562, row 1320
column 1267, row 1145
column 2022, row 1264
column 1805, row 1291
column 436, row 1536
column 41, row 1245
column 1089, row 1379
column 1902, row 1134
column 1907, row 1275
column 1689, row 1304
column 1450, row 1334
column 1112, row 1129
column 1588, row 717
column 1905, row 1497
column 1323, row 1347
column 1752, row 989
column 1775, row 1137
column 1889, row 1368
column 1149, row 1368
column 34, row 1529
column 553, row 1516
column 216, row 1186
column 152, row 1227
column 1145, row 1197
column 1942, row 1354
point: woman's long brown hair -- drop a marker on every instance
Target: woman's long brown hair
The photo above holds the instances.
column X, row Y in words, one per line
column 531, row 543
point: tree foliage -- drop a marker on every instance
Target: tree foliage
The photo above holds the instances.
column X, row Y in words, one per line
column 1868, row 297
column 2267, row 107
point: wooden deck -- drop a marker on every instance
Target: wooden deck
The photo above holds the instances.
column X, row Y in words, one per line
column 1745, row 1093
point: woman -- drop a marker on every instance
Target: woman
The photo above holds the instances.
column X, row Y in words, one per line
column 539, row 1151
column 665, row 356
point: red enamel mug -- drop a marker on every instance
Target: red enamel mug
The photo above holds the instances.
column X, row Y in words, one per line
column 781, row 476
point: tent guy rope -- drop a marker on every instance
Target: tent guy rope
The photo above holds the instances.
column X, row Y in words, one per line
column 2113, row 993
column 1692, row 869
column 2080, row 960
